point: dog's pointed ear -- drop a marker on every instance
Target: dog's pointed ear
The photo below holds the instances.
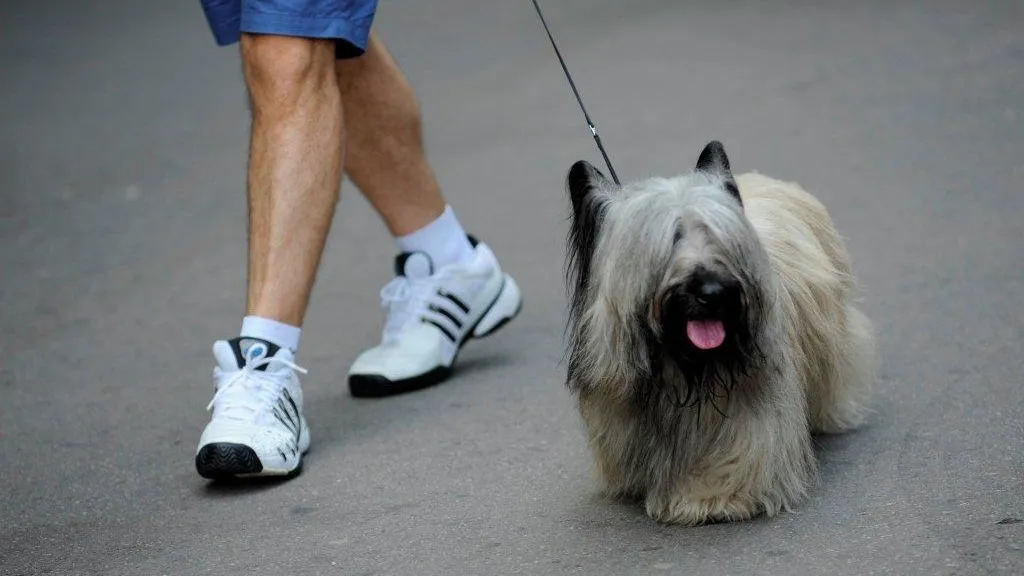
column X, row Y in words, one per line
column 583, row 179
column 714, row 160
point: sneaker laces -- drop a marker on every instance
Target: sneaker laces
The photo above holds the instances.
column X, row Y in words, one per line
column 250, row 390
column 403, row 297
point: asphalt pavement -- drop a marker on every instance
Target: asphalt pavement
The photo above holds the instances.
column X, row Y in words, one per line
column 122, row 258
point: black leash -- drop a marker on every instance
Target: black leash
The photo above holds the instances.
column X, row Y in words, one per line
column 593, row 129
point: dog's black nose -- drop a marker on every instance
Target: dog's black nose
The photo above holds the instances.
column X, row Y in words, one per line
column 710, row 291
column 707, row 289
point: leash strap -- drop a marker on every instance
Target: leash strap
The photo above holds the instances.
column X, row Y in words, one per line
column 593, row 129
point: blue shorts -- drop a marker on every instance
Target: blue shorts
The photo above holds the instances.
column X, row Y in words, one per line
column 345, row 21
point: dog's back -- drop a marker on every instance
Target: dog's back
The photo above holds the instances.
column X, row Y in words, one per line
column 834, row 340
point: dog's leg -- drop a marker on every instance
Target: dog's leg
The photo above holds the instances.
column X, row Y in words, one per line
column 759, row 464
column 710, row 496
column 840, row 402
column 611, row 435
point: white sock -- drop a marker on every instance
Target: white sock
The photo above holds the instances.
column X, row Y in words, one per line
column 284, row 335
column 443, row 240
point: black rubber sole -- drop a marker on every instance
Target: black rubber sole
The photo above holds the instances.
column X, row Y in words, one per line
column 373, row 386
column 223, row 461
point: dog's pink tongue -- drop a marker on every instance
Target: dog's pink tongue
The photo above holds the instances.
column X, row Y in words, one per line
column 706, row 334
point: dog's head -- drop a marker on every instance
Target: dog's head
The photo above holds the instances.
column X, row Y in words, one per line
column 664, row 270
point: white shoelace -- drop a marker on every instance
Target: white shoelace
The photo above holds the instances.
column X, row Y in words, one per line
column 403, row 298
column 251, row 390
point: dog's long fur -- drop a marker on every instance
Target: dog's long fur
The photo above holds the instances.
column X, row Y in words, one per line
column 723, row 436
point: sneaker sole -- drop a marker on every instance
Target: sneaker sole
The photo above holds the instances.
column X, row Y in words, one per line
column 496, row 317
column 229, row 461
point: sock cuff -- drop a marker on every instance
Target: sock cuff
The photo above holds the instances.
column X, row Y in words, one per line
column 443, row 240
column 284, row 335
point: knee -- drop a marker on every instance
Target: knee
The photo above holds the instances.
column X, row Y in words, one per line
column 281, row 69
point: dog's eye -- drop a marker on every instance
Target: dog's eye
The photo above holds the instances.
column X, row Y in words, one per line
column 677, row 237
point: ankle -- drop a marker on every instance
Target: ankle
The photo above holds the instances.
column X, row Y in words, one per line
column 443, row 240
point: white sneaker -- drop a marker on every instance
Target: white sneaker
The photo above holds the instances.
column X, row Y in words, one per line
column 431, row 315
column 257, row 427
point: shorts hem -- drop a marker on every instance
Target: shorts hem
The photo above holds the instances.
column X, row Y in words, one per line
column 354, row 34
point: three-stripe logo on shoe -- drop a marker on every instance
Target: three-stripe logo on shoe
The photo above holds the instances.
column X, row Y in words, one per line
column 455, row 312
column 287, row 412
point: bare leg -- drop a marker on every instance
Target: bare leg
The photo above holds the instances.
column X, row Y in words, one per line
column 386, row 161
column 295, row 152
column 296, row 147
column 385, row 156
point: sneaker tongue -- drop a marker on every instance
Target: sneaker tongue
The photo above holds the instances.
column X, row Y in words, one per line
column 413, row 265
column 232, row 354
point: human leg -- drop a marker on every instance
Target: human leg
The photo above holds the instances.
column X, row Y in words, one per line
column 386, row 157
column 295, row 155
column 448, row 287
column 296, row 146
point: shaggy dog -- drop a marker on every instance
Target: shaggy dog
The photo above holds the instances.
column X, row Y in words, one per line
column 712, row 330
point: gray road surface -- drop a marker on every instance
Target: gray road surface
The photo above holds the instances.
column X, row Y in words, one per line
column 122, row 258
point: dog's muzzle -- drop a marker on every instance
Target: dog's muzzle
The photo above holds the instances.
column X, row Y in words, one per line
column 701, row 311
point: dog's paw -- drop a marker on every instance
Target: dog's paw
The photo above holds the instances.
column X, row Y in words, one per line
column 688, row 511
